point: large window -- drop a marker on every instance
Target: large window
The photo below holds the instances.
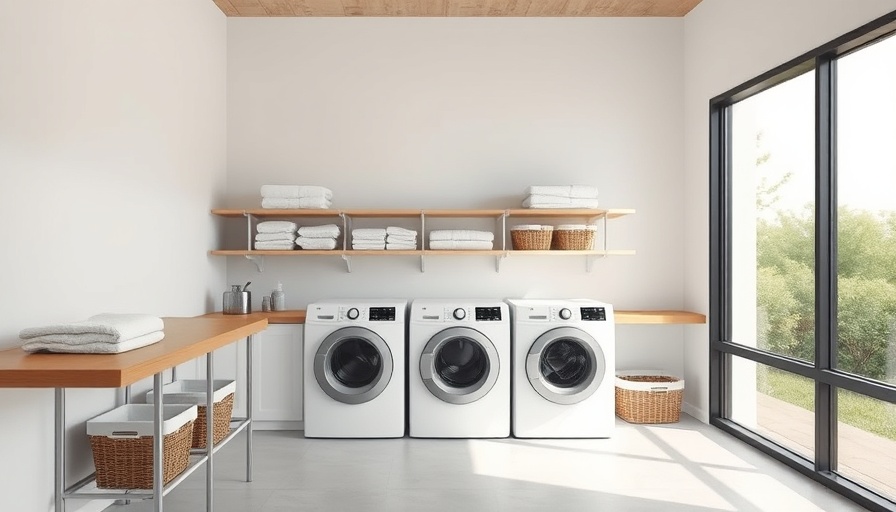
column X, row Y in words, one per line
column 803, row 264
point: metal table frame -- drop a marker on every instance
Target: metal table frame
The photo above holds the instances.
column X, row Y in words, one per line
column 159, row 490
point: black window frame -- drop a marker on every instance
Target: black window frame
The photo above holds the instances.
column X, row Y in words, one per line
column 823, row 372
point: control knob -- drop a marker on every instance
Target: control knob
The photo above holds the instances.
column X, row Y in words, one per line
column 459, row 314
column 565, row 314
column 353, row 314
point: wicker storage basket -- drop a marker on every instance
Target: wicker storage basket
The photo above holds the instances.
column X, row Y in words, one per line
column 194, row 392
column 531, row 237
column 648, row 397
column 573, row 237
column 122, row 439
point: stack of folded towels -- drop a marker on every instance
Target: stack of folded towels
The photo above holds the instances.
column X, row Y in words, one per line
column 275, row 235
column 561, row 196
column 295, row 196
column 368, row 239
column 108, row 333
column 400, row 239
column 459, row 239
column 318, row 237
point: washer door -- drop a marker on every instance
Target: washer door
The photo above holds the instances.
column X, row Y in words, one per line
column 459, row 365
column 353, row 365
column 565, row 365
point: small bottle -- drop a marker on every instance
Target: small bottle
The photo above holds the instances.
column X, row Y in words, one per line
column 266, row 303
column 278, row 299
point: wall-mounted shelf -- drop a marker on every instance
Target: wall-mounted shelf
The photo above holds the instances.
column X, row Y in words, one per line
column 501, row 217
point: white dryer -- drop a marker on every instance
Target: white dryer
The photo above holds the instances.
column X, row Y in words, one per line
column 564, row 360
column 354, row 384
column 459, row 368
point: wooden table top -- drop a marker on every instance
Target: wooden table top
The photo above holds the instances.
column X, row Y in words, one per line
column 293, row 316
column 185, row 339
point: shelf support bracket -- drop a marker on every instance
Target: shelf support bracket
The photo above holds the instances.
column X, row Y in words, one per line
column 589, row 262
column 348, row 262
column 422, row 264
column 258, row 261
column 498, row 259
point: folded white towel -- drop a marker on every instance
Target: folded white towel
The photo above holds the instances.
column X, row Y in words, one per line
column 295, row 191
column 583, row 191
column 325, row 244
column 100, row 347
column 109, row 327
column 397, row 231
column 461, row 234
column 401, row 239
column 324, row 231
column 295, row 202
column 392, row 246
column 284, row 245
column 369, row 234
column 275, row 237
column 276, row 226
column 558, row 202
column 368, row 245
column 459, row 244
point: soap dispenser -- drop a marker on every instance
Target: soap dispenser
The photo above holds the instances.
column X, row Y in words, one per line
column 278, row 299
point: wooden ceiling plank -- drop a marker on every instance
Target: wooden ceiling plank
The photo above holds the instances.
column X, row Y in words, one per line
column 421, row 7
column 320, row 8
column 249, row 7
column 278, row 7
column 547, row 8
column 226, row 7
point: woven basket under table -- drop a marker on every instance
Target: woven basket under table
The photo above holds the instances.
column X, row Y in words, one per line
column 126, row 463
column 657, row 400
column 222, row 410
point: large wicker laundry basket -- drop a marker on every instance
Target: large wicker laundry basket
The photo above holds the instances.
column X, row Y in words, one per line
column 194, row 392
column 648, row 396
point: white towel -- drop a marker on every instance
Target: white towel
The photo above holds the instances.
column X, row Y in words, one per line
column 109, row 327
column 401, row 239
column 295, row 202
column 459, row 244
column 325, row 231
column 397, row 231
column 558, row 202
column 100, row 347
column 392, row 246
column 377, row 234
column 284, row 245
column 275, row 237
column 368, row 245
column 295, row 191
column 316, row 243
column 461, row 234
column 583, row 191
column 276, row 226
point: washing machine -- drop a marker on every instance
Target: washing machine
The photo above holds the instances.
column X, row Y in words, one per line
column 458, row 368
column 354, row 383
column 564, row 360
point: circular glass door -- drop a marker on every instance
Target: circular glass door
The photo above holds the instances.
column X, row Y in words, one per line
column 459, row 365
column 353, row 365
column 565, row 365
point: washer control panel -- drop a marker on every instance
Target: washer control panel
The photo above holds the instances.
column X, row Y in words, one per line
column 488, row 314
column 386, row 314
column 594, row 314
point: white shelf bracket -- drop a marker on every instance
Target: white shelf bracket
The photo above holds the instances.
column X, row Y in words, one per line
column 498, row 259
column 422, row 264
column 258, row 261
column 348, row 262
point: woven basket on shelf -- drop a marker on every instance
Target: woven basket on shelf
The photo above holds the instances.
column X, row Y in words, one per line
column 573, row 237
column 531, row 237
column 648, row 397
column 222, row 412
column 126, row 463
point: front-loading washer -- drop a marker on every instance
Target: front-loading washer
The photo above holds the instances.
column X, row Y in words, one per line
column 563, row 368
column 458, row 368
column 354, row 383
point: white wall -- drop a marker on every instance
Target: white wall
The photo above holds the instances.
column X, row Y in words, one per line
column 112, row 150
column 725, row 44
column 466, row 113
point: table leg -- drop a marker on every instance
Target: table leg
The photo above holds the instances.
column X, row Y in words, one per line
column 59, row 434
column 249, row 341
column 209, row 432
column 158, row 443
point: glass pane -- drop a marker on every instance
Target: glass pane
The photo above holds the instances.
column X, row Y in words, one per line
column 867, row 441
column 776, row 404
column 866, row 212
column 773, row 219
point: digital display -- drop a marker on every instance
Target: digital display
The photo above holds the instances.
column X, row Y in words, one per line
column 488, row 314
column 382, row 314
column 594, row 314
